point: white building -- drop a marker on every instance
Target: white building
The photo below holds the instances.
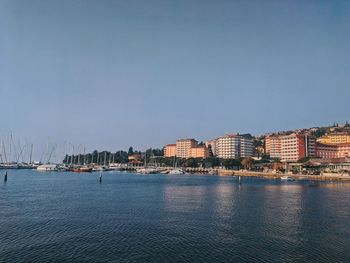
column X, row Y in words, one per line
column 233, row 146
column 247, row 147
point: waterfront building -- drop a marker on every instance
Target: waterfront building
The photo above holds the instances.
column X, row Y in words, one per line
column 335, row 138
column 246, row 147
column 183, row 147
column 170, row 150
column 326, row 150
column 310, row 144
column 233, row 146
column 343, row 150
column 199, row 152
column 273, row 146
column 340, row 150
column 296, row 146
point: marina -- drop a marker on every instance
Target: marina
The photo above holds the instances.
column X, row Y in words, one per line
column 174, row 131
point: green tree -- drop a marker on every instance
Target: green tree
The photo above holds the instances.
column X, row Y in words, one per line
column 191, row 162
column 231, row 163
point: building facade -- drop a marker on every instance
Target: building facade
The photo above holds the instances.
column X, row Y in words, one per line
column 341, row 150
column 273, row 146
column 183, row 147
column 246, row 147
column 199, row 152
column 335, row 138
column 233, row 146
column 296, row 146
column 325, row 151
column 170, row 150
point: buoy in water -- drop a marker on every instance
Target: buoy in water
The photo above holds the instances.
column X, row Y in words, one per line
column 239, row 179
column 5, row 177
column 100, row 177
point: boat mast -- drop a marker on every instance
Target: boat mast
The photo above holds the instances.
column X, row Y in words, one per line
column 79, row 153
column 53, row 149
column 2, row 161
column 14, row 148
column 4, row 149
column 84, row 156
column 20, row 152
column 31, row 153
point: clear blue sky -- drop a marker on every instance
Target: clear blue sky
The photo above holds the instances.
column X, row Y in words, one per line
column 110, row 74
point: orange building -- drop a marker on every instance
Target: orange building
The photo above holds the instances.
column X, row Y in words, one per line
column 183, row 147
column 170, row 150
column 186, row 148
column 335, row 138
column 199, row 152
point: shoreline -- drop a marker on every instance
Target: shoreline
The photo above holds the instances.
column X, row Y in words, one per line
column 327, row 177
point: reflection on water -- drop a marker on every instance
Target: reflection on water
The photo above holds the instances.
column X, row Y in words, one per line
column 184, row 199
column 130, row 218
column 224, row 198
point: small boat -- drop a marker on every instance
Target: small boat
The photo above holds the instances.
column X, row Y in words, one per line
column 287, row 178
column 47, row 167
column 98, row 168
column 176, row 171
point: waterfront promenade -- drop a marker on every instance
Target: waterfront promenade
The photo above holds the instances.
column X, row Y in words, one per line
column 322, row 177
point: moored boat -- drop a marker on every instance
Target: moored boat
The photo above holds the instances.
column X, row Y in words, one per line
column 82, row 169
column 287, row 178
column 47, row 167
column 176, row 171
column 147, row 170
column 115, row 167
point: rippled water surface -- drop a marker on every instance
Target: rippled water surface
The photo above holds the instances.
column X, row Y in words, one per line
column 66, row 217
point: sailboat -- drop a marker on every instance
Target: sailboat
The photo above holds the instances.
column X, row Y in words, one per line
column 176, row 170
column 145, row 169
